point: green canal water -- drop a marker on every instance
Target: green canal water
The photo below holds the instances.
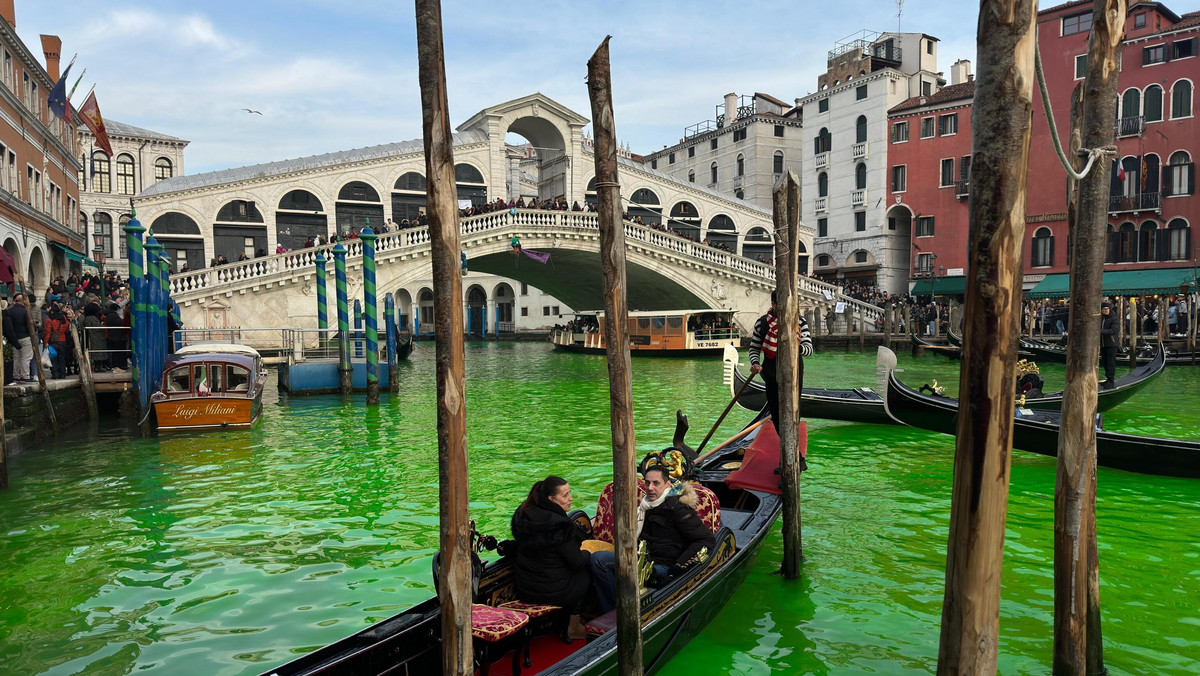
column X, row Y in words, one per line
column 226, row 553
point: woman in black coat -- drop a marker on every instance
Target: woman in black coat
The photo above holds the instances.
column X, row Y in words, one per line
column 550, row 567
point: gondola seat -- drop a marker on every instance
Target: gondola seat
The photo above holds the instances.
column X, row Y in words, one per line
column 498, row 630
column 543, row 618
column 708, row 508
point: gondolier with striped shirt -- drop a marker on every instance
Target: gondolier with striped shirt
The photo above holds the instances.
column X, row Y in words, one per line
column 763, row 344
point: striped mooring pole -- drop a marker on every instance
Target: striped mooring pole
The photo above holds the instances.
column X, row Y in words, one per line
column 156, row 313
column 345, row 370
column 357, row 336
column 137, row 307
column 390, row 331
column 322, row 299
column 368, row 239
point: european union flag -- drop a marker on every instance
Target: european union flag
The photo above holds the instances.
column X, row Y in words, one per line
column 58, row 98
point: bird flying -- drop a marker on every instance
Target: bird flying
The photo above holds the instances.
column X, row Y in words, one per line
column 251, row 111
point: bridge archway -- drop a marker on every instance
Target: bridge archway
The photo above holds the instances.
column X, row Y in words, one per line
column 424, row 317
column 506, row 306
column 476, row 306
column 542, row 154
column 37, row 273
column 404, row 309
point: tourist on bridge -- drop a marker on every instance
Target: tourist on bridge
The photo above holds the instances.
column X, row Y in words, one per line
column 763, row 344
column 666, row 521
column 1108, row 344
column 550, row 567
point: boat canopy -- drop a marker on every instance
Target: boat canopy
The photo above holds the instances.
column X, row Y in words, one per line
column 1122, row 283
column 217, row 348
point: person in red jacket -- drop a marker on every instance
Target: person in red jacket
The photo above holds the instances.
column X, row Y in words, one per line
column 54, row 334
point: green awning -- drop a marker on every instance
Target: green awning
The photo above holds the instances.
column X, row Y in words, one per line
column 69, row 253
column 1122, row 283
column 940, row 286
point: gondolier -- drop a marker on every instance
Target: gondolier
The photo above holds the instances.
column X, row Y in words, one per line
column 763, row 344
column 1108, row 344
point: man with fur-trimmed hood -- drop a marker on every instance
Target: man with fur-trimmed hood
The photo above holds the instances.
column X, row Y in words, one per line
column 666, row 520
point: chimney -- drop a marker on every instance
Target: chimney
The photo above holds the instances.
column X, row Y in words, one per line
column 51, row 48
column 730, row 108
column 9, row 14
column 960, row 72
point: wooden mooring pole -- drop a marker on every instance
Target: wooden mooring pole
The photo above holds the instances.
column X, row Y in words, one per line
column 454, row 590
column 34, row 340
column 1000, row 156
column 4, row 427
column 1075, row 485
column 786, row 207
column 616, row 338
column 85, row 375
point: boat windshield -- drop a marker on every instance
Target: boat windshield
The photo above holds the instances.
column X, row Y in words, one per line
column 180, row 379
column 239, row 379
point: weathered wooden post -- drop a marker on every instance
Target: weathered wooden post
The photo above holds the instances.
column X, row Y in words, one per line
column 1133, row 332
column 1000, row 155
column 1075, row 608
column 789, row 364
column 616, row 338
column 454, row 592
column 85, row 379
column 345, row 369
column 3, row 429
column 862, row 329
column 34, row 340
column 372, row 313
column 389, row 323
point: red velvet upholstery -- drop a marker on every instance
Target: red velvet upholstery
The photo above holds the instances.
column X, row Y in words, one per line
column 530, row 609
column 708, row 507
column 494, row 624
column 603, row 526
column 601, row 624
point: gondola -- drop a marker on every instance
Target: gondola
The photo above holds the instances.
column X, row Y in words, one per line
column 1037, row 432
column 404, row 347
column 1046, row 351
column 944, row 349
column 956, row 339
column 408, row 643
column 863, row 404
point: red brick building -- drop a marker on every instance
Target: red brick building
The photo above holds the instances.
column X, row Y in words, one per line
column 39, row 168
column 1153, row 207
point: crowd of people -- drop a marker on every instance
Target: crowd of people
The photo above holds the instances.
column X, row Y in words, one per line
column 97, row 308
column 1051, row 316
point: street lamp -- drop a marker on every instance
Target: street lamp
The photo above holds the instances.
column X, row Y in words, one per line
column 100, row 254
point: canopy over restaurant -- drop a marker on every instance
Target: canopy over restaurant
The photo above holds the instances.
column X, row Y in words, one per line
column 1124, row 283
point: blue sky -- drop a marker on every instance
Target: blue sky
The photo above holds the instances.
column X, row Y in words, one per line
column 334, row 74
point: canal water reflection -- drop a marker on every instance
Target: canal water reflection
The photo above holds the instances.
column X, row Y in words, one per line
column 225, row 553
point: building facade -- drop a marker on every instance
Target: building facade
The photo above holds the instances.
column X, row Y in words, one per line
column 107, row 184
column 39, row 192
column 847, row 171
column 751, row 142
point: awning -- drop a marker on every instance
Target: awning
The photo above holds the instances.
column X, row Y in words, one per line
column 1122, row 283
column 940, row 286
column 71, row 254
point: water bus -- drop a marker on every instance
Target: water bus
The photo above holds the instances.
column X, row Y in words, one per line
column 663, row 333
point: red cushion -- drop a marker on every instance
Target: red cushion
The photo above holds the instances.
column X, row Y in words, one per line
column 708, row 507
column 603, row 526
column 530, row 609
column 759, row 465
column 493, row 624
column 602, row 624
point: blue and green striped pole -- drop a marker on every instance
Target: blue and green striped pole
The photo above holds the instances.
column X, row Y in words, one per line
column 357, row 336
column 345, row 370
column 156, row 343
column 390, row 331
column 172, row 307
column 368, row 239
column 322, row 299
column 137, row 308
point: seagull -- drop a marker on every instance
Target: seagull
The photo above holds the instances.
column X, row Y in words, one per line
column 251, row 111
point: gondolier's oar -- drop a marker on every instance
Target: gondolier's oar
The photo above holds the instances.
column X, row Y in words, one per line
column 725, row 412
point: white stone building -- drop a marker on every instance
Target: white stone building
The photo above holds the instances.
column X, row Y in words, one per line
column 845, row 175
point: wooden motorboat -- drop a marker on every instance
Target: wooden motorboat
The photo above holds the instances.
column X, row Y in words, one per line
column 1037, row 431
column 210, row 385
column 668, row 333
column 863, row 404
column 408, row 643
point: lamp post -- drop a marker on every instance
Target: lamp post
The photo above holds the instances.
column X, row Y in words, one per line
column 100, row 254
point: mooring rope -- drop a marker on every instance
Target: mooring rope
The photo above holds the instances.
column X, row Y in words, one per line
column 1092, row 153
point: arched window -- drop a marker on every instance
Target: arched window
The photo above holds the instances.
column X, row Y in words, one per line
column 1181, row 100
column 1150, row 180
column 409, row 198
column 83, row 225
column 470, row 184
column 777, row 166
column 466, row 173
column 411, row 181
column 722, row 232
column 163, row 169
column 645, row 204
column 741, row 165
column 823, row 142
column 1043, row 248
column 103, row 226
column 691, row 176
column 1148, row 242
column 685, row 220
column 1179, row 240
column 1126, row 241
column 824, row 261
column 101, row 176
column 1153, row 106
column 860, row 176
column 822, row 184
column 125, row 174
column 713, row 169
column 240, row 211
column 1179, row 176
column 357, row 191
column 1110, row 252
column 860, row 129
column 1131, row 103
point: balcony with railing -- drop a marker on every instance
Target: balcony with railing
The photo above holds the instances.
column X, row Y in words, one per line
column 859, row 150
column 1146, row 201
column 1131, row 126
column 821, row 204
column 821, row 160
column 962, row 188
column 858, row 197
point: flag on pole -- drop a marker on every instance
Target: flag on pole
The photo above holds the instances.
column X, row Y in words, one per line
column 58, row 97
column 90, row 114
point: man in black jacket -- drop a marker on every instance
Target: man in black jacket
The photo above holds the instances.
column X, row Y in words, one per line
column 24, row 346
column 668, row 523
column 1108, row 344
